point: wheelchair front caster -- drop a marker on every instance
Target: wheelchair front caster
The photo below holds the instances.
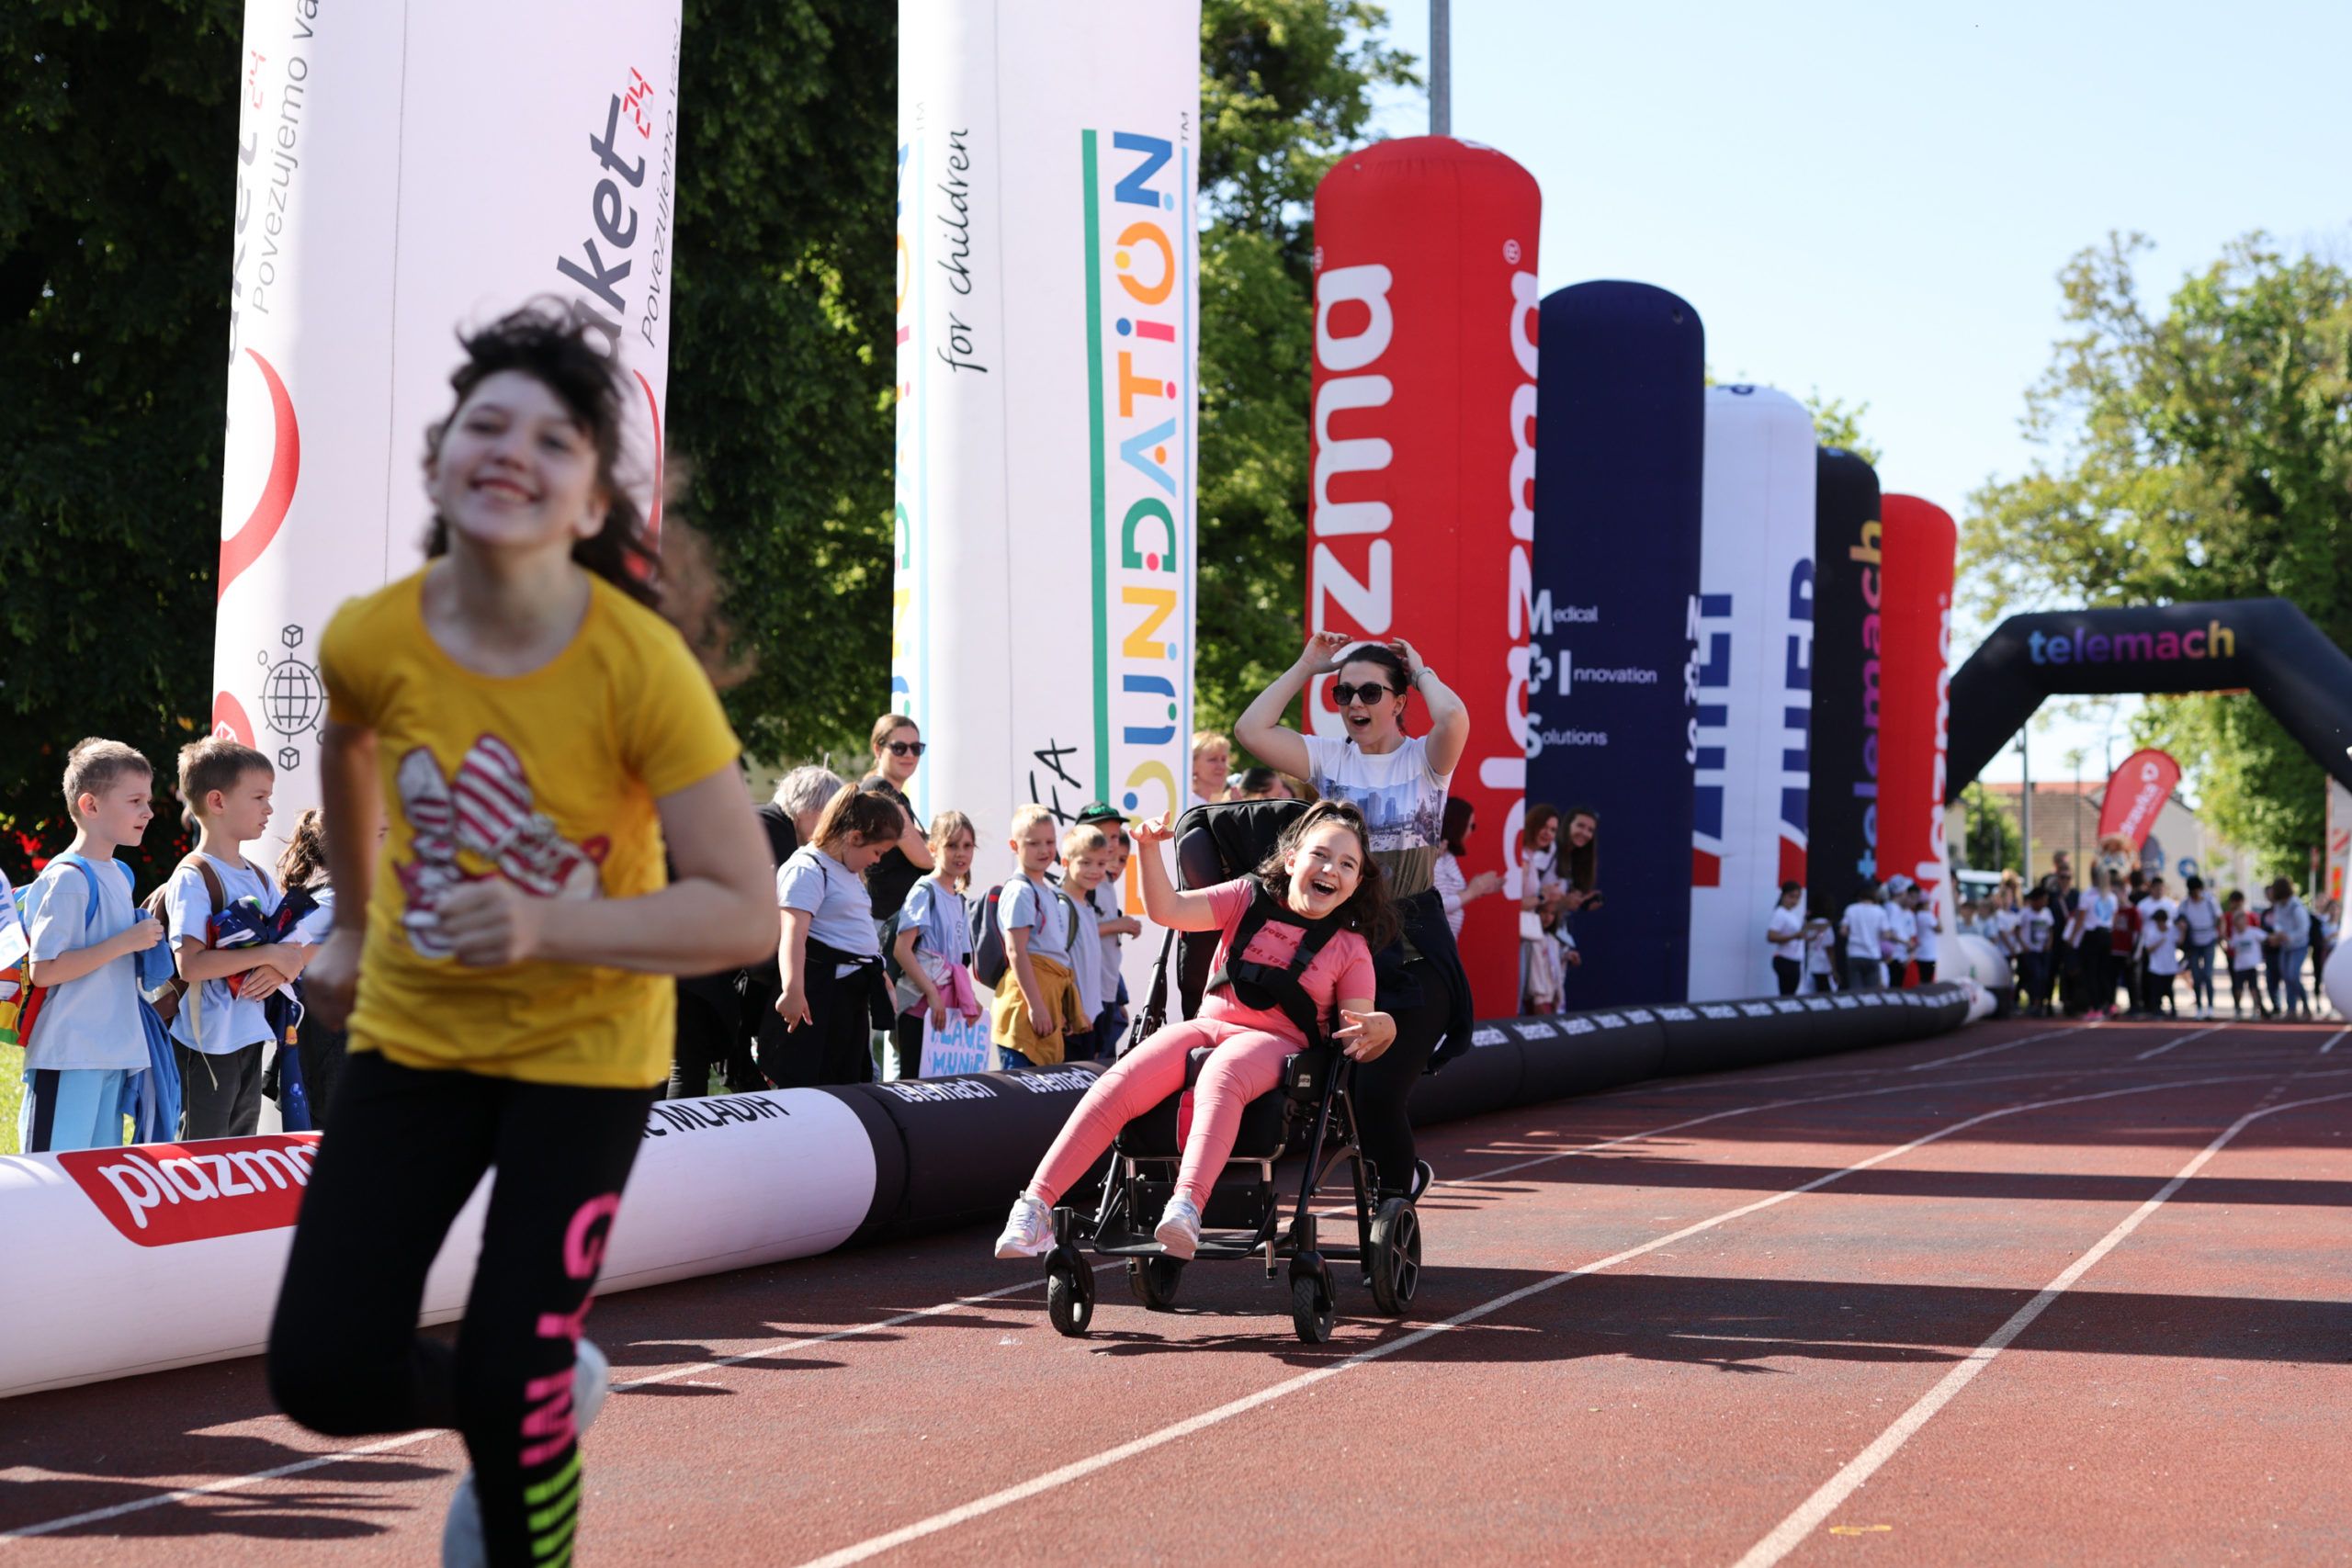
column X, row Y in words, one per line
column 1069, row 1292
column 1153, row 1281
column 1310, row 1298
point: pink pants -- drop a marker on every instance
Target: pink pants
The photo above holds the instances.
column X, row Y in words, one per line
column 1247, row 1062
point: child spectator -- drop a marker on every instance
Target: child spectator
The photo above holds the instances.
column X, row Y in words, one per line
column 1864, row 927
column 2160, row 942
column 1926, row 945
column 934, row 943
column 1784, row 933
column 88, row 1039
column 1820, row 952
column 1902, row 930
column 1086, row 859
column 1212, row 762
column 1113, row 924
column 1038, row 1003
column 1454, row 889
column 222, row 1029
column 302, row 874
column 2245, row 936
column 831, row 955
column 2035, row 927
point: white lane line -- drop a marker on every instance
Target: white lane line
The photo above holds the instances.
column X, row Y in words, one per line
column 2331, row 1038
column 2184, row 1040
column 876, row 1545
column 233, row 1483
column 1989, row 1050
column 1809, row 1514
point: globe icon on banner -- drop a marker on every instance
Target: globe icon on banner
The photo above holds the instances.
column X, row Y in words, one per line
column 293, row 700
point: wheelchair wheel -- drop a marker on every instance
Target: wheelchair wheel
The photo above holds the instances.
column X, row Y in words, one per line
column 1310, row 1308
column 1393, row 1259
column 1153, row 1281
column 1070, row 1302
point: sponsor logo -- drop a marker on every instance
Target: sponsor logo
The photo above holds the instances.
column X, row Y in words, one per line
column 1817, row 1004
column 2082, row 646
column 1488, row 1037
column 1842, row 1002
column 1608, row 1021
column 1052, row 1081
column 163, row 1194
column 1717, row 1011
column 937, row 1091
column 1639, row 1015
column 1538, row 1031
column 1678, row 1015
column 1139, row 367
column 719, row 1111
column 1757, row 1010
column 1578, row 1026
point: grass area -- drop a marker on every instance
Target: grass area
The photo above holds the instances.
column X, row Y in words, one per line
column 12, row 1094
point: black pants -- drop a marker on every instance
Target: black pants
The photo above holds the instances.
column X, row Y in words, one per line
column 219, row 1096
column 2156, row 993
column 705, row 1041
column 322, row 1051
column 1927, row 970
column 837, row 1050
column 2244, row 980
column 1790, row 973
column 406, row 1150
column 1383, row 1084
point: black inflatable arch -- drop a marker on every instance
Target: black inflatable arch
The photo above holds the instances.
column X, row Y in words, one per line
column 2267, row 647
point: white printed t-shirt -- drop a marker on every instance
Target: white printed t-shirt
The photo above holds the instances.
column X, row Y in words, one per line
column 1865, row 926
column 1402, row 801
column 215, row 1022
column 840, row 910
column 1785, row 929
column 1022, row 904
column 92, row 1022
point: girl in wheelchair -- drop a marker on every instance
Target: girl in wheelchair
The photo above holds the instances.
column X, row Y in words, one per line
column 1307, row 922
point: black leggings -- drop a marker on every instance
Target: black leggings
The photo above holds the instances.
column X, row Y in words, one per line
column 1383, row 1084
column 405, row 1152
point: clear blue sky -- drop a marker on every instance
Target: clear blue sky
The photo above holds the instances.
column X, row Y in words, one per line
column 1875, row 199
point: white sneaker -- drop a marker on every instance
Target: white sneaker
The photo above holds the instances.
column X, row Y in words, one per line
column 461, row 1541
column 1028, row 1230
column 1180, row 1228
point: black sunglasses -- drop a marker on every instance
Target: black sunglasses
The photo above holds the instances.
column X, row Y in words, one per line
column 1342, row 693
column 903, row 747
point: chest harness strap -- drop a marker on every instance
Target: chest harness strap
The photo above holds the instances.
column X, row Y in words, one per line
column 1271, row 987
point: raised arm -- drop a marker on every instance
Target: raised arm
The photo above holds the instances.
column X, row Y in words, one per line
column 1161, row 900
column 1261, row 729
column 1449, row 715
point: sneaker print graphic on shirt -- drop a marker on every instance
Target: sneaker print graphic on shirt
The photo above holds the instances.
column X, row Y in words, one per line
column 486, row 811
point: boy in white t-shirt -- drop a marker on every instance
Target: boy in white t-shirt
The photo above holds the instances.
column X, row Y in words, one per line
column 1037, row 1004
column 1863, row 925
column 2035, row 927
column 1924, row 946
column 1902, row 930
column 88, row 1037
column 2246, row 957
column 220, row 1030
column 2160, row 946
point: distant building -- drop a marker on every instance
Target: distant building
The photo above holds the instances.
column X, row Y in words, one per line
column 2065, row 818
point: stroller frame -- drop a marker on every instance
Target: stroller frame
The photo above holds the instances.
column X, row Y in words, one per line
column 1316, row 1110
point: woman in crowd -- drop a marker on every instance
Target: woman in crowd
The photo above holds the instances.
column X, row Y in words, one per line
column 898, row 748
column 1784, row 933
column 1211, row 760
column 1322, row 881
column 829, row 958
column 1452, row 888
column 1398, row 783
column 935, row 943
column 535, row 732
column 1540, row 894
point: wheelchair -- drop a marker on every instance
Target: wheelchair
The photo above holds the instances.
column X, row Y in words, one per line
column 1308, row 1111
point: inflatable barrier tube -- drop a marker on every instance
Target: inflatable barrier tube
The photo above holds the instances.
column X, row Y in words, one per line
column 164, row 1256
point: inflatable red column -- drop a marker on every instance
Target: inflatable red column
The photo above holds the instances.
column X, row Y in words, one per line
column 1421, row 513
column 1914, row 636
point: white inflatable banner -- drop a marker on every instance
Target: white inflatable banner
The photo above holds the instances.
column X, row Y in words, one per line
column 1047, row 309
column 1755, row 713
column 405, row 168
column 164, row 1255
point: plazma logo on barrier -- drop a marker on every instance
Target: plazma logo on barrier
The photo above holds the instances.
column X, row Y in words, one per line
column 1139, row 373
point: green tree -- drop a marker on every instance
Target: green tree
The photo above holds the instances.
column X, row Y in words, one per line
column 1835, row 424
column 114, row 289
column 1993, row 839
column 2204, row 452
column 1285, row 93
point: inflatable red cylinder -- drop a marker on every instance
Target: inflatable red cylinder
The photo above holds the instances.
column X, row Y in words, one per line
column 1914, row 636
column 1421, row 513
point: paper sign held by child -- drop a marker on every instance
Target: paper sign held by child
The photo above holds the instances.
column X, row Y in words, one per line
column 961, row 1047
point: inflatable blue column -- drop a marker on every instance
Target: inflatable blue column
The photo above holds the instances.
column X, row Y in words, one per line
column 1616, row 668
column 1842, row 837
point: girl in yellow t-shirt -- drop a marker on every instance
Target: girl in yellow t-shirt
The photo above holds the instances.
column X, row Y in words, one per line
column 532, row 734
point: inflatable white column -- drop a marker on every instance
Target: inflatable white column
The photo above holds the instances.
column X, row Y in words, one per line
column 1049, row 291
column 405, row 168
column 1756, row 578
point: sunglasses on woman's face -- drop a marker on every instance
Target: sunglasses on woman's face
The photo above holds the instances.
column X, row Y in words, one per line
column 903, row 747
column 1344, row 694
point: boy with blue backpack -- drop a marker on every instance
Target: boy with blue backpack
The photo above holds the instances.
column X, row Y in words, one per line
column 87, row 1037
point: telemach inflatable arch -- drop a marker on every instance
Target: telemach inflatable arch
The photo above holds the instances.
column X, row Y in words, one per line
column 2267, row 647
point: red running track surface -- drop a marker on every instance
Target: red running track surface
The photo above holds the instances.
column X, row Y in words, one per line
column 1803, row 1313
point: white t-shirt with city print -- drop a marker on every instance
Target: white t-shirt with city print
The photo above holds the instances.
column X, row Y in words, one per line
column 1402, row 800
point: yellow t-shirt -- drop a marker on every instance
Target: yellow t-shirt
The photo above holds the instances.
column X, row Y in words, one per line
column 548, row 780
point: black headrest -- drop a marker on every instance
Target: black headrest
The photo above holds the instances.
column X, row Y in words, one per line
column 1224, row 838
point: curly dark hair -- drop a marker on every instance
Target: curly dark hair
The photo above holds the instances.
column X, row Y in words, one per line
column 564, row 351
column 1369, row 912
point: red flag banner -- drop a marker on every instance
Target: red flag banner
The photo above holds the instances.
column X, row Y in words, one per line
column 2134, row 796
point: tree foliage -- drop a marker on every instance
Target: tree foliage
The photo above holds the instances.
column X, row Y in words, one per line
column 1285, row 93
column 114, row 292
column 2202, row 452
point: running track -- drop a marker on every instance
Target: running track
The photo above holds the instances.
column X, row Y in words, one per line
column 2007, row 1296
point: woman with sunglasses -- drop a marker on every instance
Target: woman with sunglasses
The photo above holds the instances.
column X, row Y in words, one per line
column 898, row 748
column 1398, row 782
